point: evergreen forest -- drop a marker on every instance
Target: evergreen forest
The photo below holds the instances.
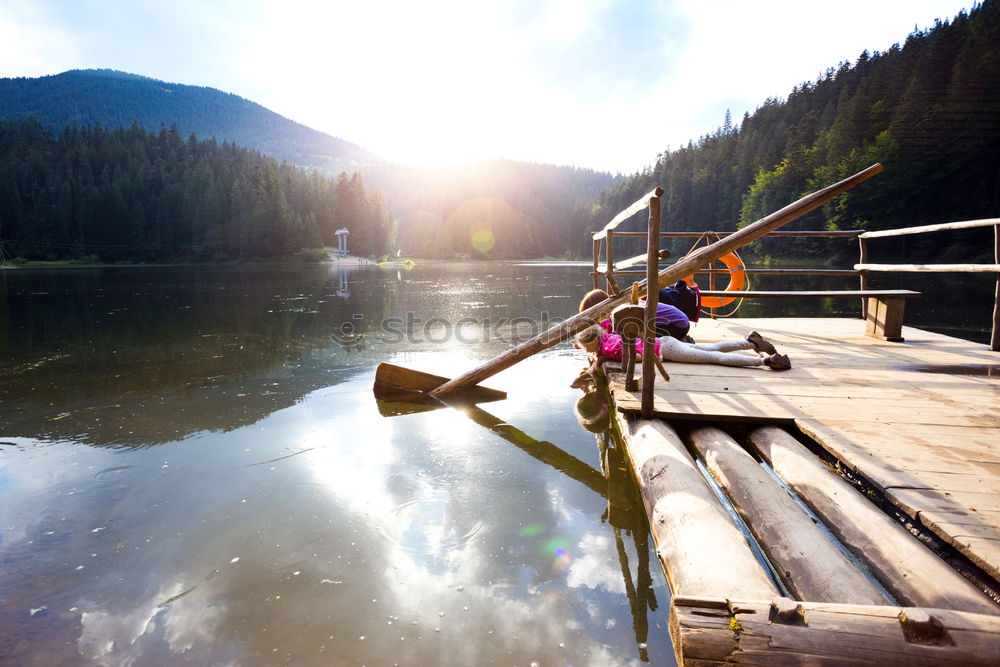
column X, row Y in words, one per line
column 132, row 195
column 80, row 183
column 928, row 110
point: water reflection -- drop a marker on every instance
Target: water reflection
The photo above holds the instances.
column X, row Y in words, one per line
column 291, row 522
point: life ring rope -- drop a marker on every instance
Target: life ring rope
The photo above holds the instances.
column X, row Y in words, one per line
column 737, row 275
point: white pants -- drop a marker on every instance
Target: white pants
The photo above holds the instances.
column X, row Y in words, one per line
column 719, row 353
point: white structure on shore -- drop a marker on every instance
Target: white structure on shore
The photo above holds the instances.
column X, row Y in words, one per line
column 341, row 235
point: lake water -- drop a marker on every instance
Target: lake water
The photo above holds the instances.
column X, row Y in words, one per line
column 193, row 469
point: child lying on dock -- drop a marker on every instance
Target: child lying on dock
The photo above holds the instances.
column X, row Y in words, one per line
column 602, row 342
column 605, row 344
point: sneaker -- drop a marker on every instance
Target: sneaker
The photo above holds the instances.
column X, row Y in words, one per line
column 688, row 339
column 760, row 344
column 778, row 362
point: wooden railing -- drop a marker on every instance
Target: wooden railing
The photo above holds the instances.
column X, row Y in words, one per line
column 865, row 267
column 885, row 322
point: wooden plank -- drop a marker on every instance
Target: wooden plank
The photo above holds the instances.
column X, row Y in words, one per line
column 930, row 268
column 829, row 634
column 826, row 294
column 908, row 569
column 687, row 521
column 639, row 205
column 671, row 402
column 923, row 229
column 809, row 564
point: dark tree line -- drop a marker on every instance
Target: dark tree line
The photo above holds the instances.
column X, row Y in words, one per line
column 928, row 110
column 133, row 195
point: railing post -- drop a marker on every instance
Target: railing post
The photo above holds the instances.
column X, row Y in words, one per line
column 597, row 257
column 863, row 259
column 652, row 298
column 610, row 261
column 995, row 338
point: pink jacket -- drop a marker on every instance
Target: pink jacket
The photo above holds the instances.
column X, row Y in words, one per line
column 611, row 344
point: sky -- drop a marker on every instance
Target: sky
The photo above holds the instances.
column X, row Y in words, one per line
column 602, row 84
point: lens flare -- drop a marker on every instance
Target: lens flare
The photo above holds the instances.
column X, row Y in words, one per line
column 557, row 548
column 482, row 239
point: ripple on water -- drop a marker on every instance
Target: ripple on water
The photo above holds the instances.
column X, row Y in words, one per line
column 426, row 516
column 111, row 473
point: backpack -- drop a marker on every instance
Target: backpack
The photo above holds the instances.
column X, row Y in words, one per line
column 684, row 298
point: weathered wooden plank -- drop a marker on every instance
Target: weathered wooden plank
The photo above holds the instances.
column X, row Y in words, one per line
column 930, row 268
column 827, row 294
column 923, row 229
column 687, row 521
column 908, row 569
column 810, row 565
column 677, row 402
column 828, row 634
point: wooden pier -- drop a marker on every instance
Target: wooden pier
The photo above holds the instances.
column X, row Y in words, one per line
column 915, row 425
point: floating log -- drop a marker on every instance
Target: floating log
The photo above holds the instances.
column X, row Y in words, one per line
column 810, row 564
column 909, row 570
column 702, row 550
column 747, row 632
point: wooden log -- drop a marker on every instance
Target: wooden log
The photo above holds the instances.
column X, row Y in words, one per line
column 923, row 229
column 610, row 261
column 863, row 259
column 649, row 326
column 909, row 570
column 639, row 205
column 810, row 564
column 573, row 325
column 702, row 551
column 747, row 632
column 816, row 294
column 850, row 233
column 930, row 268
column 620, row 269
column 597, row 258
column 995, row 337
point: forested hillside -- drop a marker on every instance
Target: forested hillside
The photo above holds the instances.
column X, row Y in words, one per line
column 928, row 110
column 118, row 99
column 494, row 209
column 137, row 195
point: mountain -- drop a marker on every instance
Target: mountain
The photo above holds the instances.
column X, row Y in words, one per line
column 118, row 99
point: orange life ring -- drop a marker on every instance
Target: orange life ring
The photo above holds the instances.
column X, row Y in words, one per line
column 737, row 281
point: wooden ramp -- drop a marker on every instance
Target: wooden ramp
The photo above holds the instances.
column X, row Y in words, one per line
column 918, row 420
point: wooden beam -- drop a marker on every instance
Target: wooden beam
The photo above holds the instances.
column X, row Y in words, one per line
column 923, row 229
column 649, row 325
column 702, row 551
column 825, row 294
column 810, row 564
column 751, row 632
column 884, row 318
column 995, row 337
column 930, row 268
column 577, row 323
column 639, row 205
column 909, row 570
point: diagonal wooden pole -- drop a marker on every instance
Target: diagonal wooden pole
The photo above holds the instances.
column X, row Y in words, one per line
column 577, row 323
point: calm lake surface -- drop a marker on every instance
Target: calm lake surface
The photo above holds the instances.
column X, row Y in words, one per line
column 193, row 469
